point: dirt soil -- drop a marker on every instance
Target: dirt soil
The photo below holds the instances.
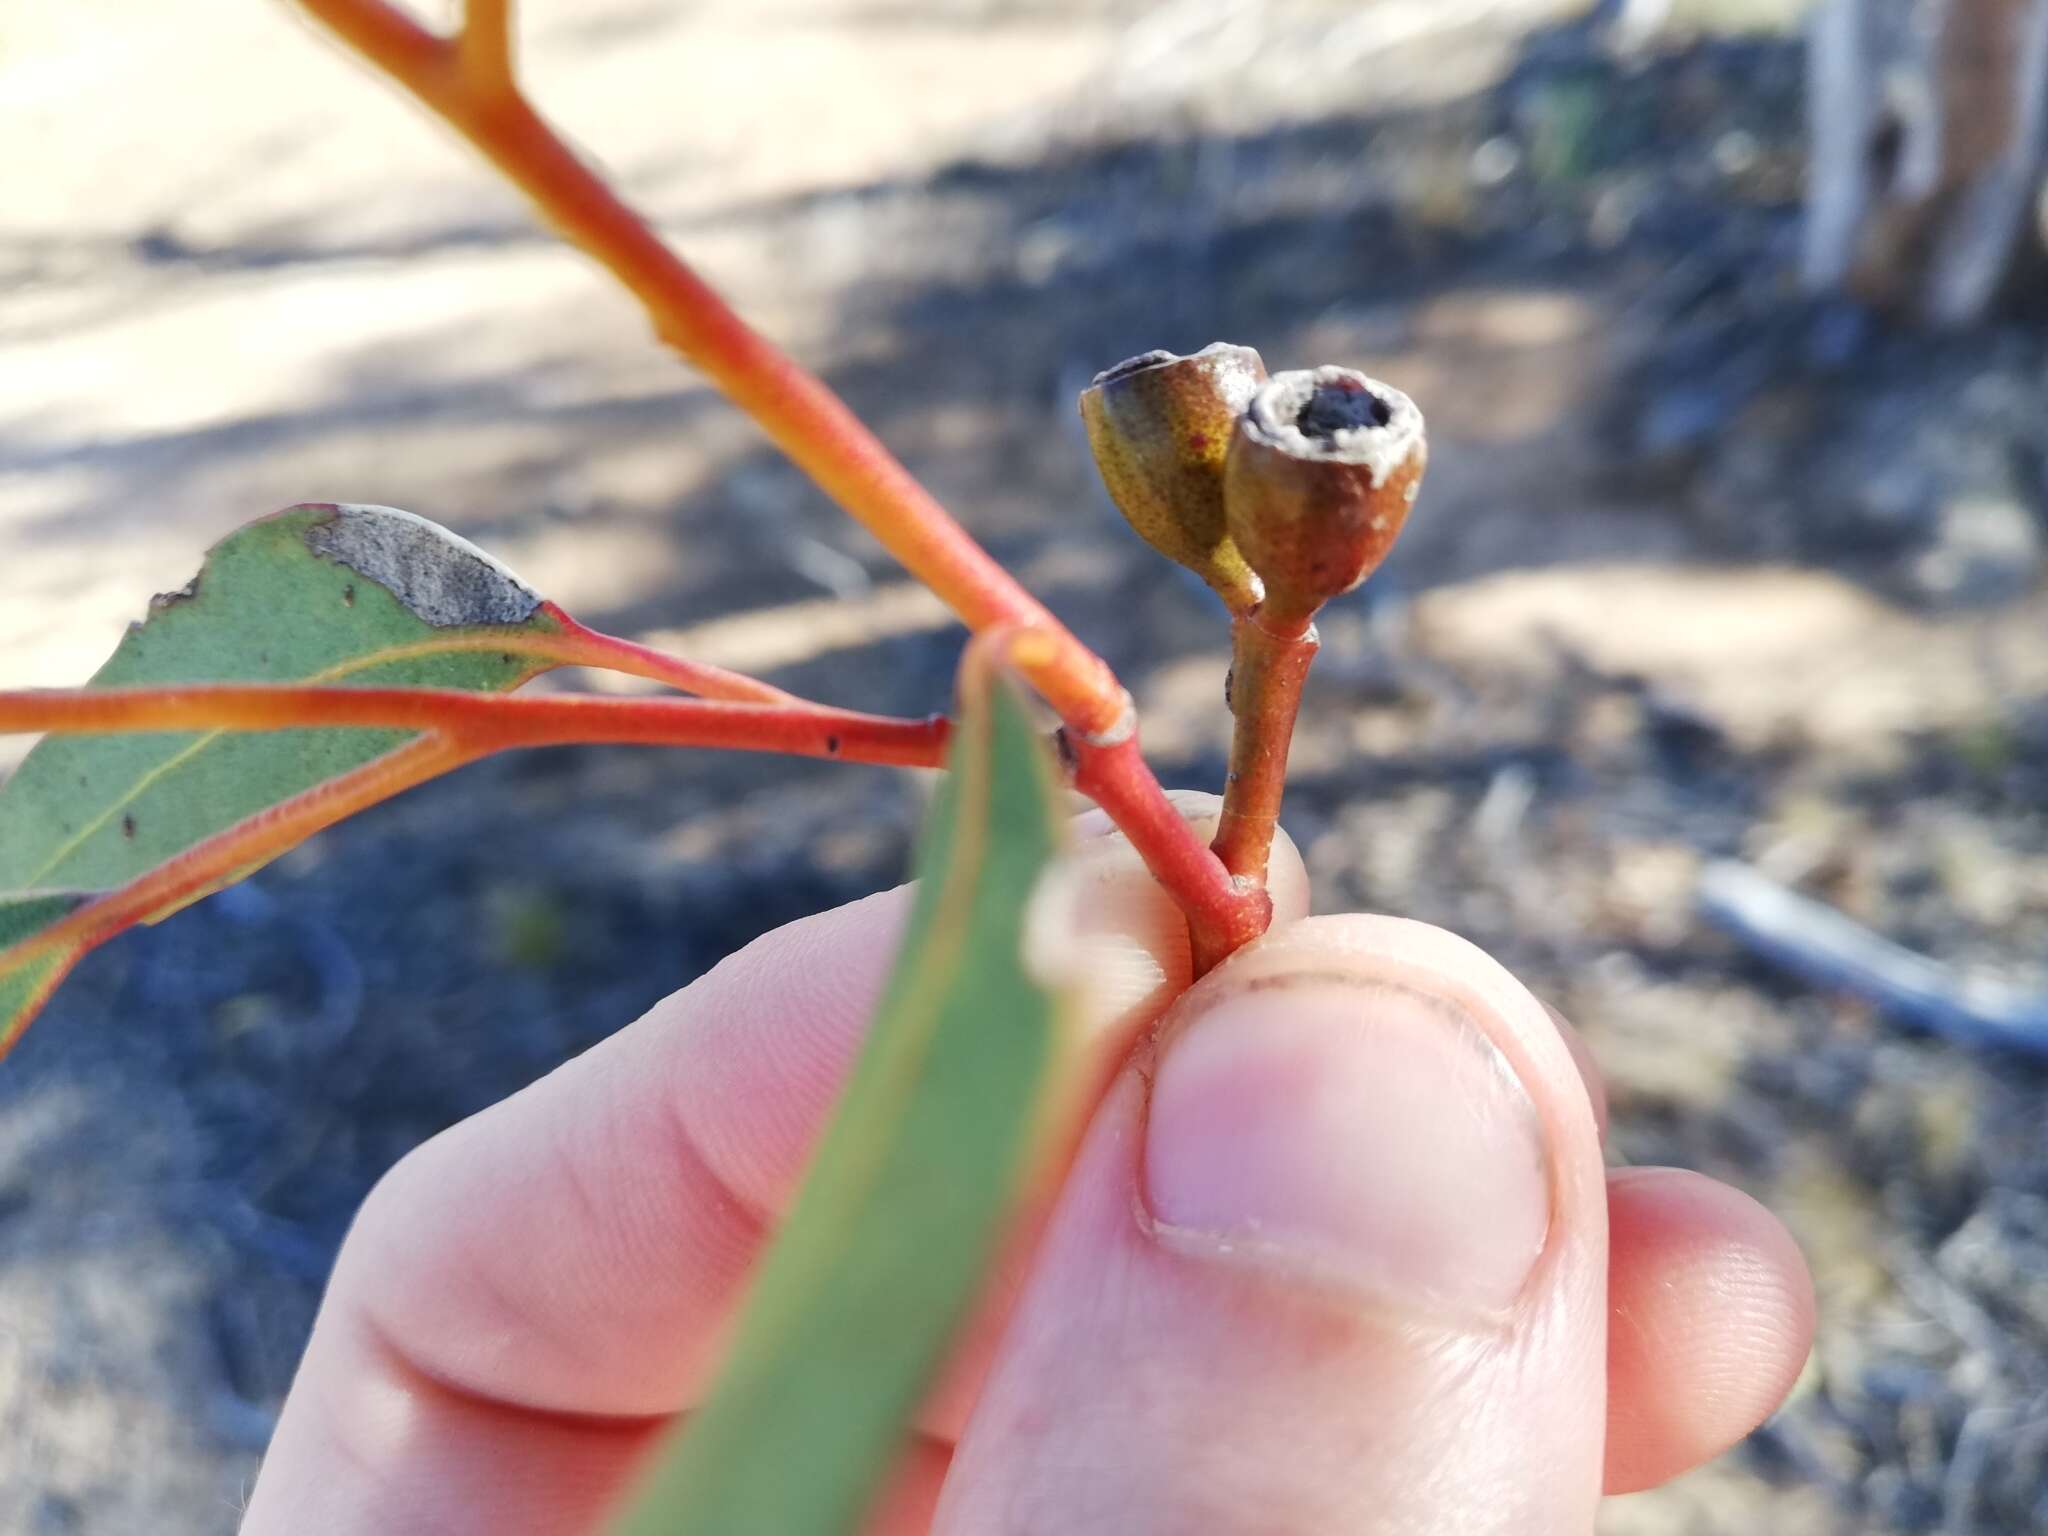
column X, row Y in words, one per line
column 1702, row 570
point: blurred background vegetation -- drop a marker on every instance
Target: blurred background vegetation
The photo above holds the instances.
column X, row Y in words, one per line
column 1710, row 566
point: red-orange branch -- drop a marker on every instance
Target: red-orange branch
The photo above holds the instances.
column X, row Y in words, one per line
column 468, row 81
column 794, row 407
column 1223, row 913
column 480, row 723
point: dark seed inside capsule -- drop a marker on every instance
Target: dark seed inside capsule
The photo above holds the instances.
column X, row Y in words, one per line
column 1341, row 407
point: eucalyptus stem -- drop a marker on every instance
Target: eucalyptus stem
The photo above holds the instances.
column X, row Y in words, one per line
column 1223, row 912
column 1267, row 671
column 467, row 80
column 482, row 723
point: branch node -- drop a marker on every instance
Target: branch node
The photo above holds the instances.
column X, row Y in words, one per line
column 1120, row 730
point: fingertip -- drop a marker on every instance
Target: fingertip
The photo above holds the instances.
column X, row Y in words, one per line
column 1434, row 962
column 1712, row 1320
column 1297, row 1123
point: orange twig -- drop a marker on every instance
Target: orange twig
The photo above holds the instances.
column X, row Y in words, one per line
column 1223, row 913
column 468, row 81
column 460, row 81
column 481, row 723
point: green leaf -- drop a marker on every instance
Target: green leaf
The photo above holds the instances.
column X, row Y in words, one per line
column 916, row 1179
column 24, row 988
column 365, row 595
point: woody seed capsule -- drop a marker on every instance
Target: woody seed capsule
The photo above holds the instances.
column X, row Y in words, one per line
column 1160, row 426
column 1322, row 470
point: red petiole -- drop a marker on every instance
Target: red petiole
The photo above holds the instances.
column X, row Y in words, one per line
column 480, row 723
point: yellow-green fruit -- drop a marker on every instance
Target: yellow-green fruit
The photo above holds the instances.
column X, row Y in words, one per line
column 1161, row 427
column 1322, row 470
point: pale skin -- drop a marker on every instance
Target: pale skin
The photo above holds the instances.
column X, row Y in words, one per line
column 1337, row 1253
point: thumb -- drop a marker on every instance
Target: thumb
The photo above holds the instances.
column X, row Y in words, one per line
column 1334, row 1259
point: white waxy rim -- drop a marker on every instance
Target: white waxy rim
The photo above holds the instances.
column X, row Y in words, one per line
column 1379, row 449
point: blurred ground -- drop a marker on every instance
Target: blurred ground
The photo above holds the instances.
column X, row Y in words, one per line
column 1701, row 570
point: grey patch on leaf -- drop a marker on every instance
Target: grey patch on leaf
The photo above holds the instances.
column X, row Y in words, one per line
column 445, row 580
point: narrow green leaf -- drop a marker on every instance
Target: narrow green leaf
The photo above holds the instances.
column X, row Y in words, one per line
column 864, row 1288
column 364, row 595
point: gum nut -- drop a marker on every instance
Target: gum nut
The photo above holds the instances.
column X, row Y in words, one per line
column 1161, row 426
column 1322, row 470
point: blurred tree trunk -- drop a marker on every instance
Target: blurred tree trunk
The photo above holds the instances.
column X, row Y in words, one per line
column 1929, row 123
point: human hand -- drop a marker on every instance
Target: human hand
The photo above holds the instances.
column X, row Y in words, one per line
column 1336, row 1254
